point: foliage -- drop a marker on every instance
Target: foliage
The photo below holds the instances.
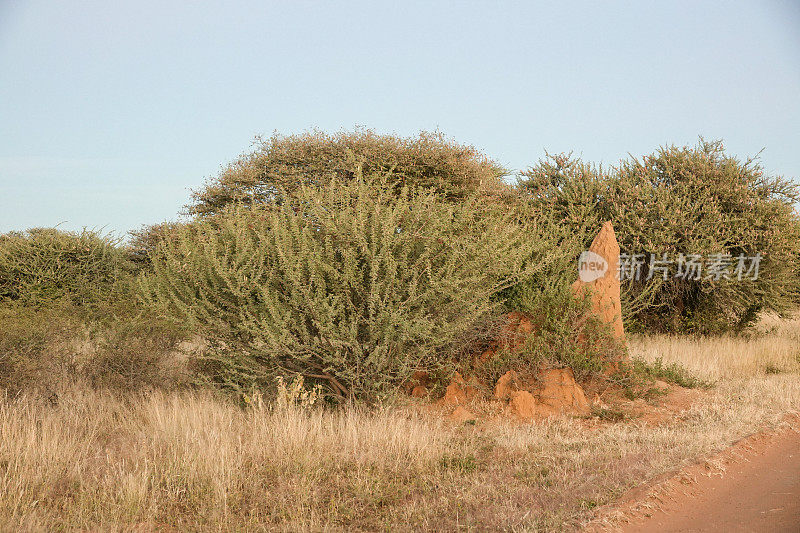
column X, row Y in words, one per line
column 43, row 265
column 69, row 316
column 52, row 348
column 283, row 164
column 354, row 285
column 672, row 373
column 565, row 335
column 691, row 200
column 295, row 395
column 146, row 239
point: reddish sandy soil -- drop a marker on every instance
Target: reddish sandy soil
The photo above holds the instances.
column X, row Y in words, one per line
column 752, row 486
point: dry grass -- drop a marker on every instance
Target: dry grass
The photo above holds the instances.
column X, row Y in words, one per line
column 773, row 349
column 181, row 461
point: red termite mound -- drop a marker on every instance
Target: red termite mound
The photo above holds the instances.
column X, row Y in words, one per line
column 551, row 390
column 604, row 290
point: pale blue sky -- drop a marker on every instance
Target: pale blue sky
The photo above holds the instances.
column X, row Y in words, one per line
column 111, row 111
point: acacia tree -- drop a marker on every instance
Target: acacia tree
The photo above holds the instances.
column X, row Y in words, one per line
column 354, row 285
column 44, row 265
column 689, row 200
column 282, row 164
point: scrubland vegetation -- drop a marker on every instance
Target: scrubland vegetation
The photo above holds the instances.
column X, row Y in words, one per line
column 244, row 368
column 184, row 460
column 690, row 200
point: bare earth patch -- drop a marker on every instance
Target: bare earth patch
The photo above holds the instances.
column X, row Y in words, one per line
column 752, row 486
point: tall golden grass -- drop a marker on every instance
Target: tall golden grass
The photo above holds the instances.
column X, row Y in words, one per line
column 195, row 462
column 773, row 348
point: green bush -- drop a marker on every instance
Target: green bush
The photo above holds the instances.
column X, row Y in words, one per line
column 146, row 239
column 53, row 348
column 282, row 164
column 672, row 373
column 565, row 335
column 353, row 285
column 691, row 200
column 43, row 265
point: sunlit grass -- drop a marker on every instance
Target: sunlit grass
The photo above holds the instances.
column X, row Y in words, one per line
column 774, row 348
column 195, row 461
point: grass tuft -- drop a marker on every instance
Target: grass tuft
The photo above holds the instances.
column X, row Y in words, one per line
column 669, row 372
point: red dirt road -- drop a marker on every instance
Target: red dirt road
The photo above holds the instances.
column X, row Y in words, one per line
column 752, row 486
